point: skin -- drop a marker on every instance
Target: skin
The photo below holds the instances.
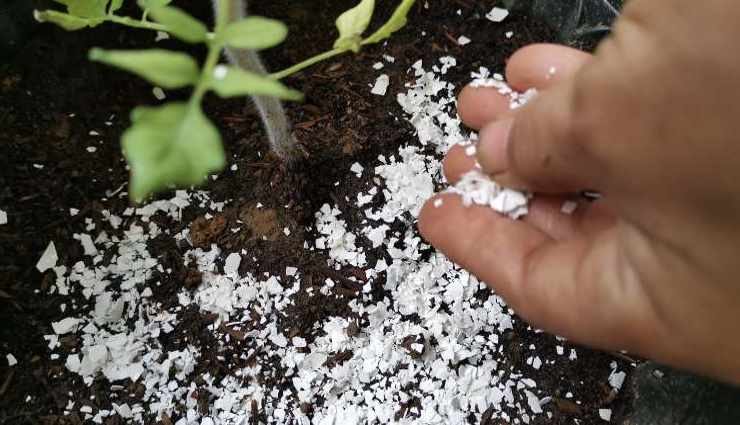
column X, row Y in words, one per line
column 652, row 121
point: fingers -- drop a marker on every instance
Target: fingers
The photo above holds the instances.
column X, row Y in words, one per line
column 458, row 161
column 563, row 272
column 572, row 288
column 484, row 235
column 552, row 215
column 492, row 148
column 537, row 66
column 541, row 149
column 546, row 156
column 546, row 213
column 480, row 105
column 541, row 66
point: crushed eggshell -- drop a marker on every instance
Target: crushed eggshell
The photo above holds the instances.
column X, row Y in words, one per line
column 48, row 259
column 497, row 14
column 381, row 85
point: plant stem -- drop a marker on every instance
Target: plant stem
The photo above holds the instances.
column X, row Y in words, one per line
column 214, row 53
column 305, row 64
column 124, row 20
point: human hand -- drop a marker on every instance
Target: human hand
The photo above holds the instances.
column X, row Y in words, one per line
column 652, row 122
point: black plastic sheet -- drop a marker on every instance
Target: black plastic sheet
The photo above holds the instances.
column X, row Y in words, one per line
column 575, row 21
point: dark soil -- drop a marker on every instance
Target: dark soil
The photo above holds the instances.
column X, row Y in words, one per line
column 51, row 97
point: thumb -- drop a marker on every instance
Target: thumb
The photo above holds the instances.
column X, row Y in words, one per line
column 546, row 145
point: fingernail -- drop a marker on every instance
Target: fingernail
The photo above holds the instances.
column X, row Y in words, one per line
column 493, row 146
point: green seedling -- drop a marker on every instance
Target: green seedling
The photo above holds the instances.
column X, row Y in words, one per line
column 351, row 25
column 175, row 144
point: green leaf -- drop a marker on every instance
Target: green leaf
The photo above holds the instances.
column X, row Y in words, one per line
column 152, row 4
column 68, row 22
column 254, row 33
column 114, row 6
column 174, row 144
column 396, row 22
column 228, row 81
column 85, row 8
column 352, row 23
column 180, row 24
column 163, row 68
